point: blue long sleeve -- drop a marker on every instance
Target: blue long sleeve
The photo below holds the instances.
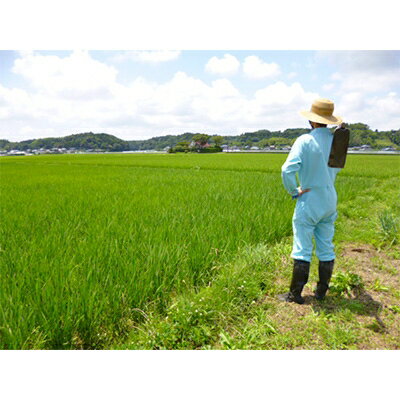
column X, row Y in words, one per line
column 290, row 168
column 309, row 159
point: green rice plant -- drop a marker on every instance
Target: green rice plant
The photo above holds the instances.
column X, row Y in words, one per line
column 357, row 166
column 88, row 243
column 84, row 245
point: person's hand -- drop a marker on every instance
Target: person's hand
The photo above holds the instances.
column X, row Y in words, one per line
column 302, row 191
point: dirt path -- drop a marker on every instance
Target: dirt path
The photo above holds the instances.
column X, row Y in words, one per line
column 381, row 275
column 372, row 311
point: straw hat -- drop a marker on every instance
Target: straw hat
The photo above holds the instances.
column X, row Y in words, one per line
column 321, row 112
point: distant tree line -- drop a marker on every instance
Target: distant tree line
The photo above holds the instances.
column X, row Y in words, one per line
column 199, row 144
column 360, row 134
column 80, row 141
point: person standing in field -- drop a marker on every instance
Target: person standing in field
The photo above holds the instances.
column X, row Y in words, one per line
column 315, row 211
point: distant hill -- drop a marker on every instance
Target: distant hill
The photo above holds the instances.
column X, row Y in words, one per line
column 360, row 134
column 80, row 141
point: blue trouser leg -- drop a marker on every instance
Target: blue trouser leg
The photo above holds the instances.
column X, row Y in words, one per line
column 302, row 240
column 323, row 234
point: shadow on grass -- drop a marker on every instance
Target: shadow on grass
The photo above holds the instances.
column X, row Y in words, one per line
column 362, row 303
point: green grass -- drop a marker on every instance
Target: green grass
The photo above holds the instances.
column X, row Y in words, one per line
column 98, row 248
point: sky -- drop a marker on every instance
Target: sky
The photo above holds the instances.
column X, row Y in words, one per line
column 148, row 93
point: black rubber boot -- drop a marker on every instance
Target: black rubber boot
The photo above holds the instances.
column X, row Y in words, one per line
column 301, row 270
column 325, row 269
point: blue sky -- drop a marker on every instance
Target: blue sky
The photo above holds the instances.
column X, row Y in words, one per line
column 142, row 94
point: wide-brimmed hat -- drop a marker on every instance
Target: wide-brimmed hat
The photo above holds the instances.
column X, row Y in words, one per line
column 321, row 112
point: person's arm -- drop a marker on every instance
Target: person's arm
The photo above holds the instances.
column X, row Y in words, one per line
column 290, row 168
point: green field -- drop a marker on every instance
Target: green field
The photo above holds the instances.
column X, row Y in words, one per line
column 97, row 251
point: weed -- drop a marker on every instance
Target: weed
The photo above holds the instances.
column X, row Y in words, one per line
column 226, row 341
column 376, row 327
column 345, row 282
column 394, row 308
column 378, row 287
column 389, row 225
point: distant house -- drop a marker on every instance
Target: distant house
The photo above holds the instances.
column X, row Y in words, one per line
column 16, row 153
column 390, row 148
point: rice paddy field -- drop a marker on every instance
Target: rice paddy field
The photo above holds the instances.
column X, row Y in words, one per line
column 177, row 251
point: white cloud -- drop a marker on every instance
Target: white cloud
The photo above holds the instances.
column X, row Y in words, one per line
column 189, row 101
column 227, row 65
column 255, row 68
column 278, row 105
column 379, row 112
column 75, row 76
column 76, row 93
column 366, row 83
column 224, row 89
column 151, row 56
column 364, row 71
column 146, row 109
column 280, row 94
column 361, row 60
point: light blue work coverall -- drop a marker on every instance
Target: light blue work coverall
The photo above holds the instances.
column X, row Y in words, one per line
column 315, row 211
